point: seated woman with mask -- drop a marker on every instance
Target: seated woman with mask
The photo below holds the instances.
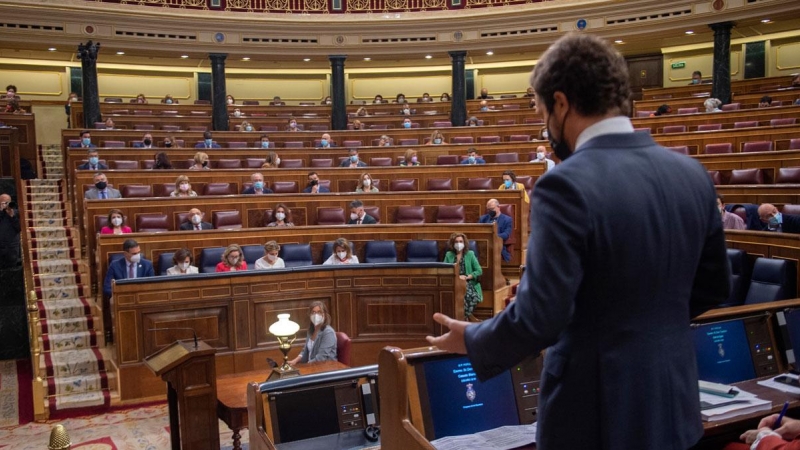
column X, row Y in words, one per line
column 321, row 338
column 342, row 254
column 183, row 263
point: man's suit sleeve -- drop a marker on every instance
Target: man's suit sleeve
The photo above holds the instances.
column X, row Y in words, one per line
column 504, row 227
column 711, row 284
column 148, row 269
column 110, row 275
column 542, row 309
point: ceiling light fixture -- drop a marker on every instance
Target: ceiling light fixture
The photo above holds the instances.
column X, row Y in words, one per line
column 619, row 41
column 120, row 53
column 367, row 59
column 689, row 32
column 428, row 56
column 184, row 56
column 246, row 58
column 490, row 53
column 52, row 49
column 306, row 59
column 766, row 21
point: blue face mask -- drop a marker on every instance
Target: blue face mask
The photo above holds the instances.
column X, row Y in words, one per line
column 258, row 185
column 776, row 220
column 437, row 141
column 471, row 159
column 324, row 142
column 86, row 141
column 695, row 81
column 94, row 160
column 484, row 108
column 507, row 183
column 208, row 142
column 354, row 158
column 265, row 144
column 248, row 128
column 169, row 101
column 406, row 124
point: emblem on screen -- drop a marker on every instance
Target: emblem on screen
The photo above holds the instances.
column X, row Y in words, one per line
column 720, row 350
column 471, row 392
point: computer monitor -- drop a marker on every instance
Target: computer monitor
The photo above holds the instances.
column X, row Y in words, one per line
column 735, row 350
column 454, row 402
column 314, row 410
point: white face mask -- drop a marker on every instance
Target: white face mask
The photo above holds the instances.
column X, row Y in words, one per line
column 116, row 221
column 184, row 187
column 540, row 156
column 459, row 246
column 237, row 113
column 367, row 182
column 280, row 216
column 353, row 216
column 136, row 258
column 184, row 266
column 277, row 161
column 317, row 319
column 196, row 219
column 230, row 101
column 341, row 255
column 271, row 257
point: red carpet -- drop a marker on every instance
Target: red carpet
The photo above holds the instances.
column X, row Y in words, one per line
column 25, row 378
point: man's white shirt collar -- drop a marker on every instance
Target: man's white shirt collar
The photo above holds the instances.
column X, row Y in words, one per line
column 612, row 125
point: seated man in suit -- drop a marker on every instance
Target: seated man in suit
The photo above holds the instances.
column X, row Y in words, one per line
column 195, row 222
column 358, row 216
column 94, row 161
column 208, row 142
column 313, row 186
column 131, row 266
column 473, row 157
column 258, row 185
column 775, row 221
column 485, row 94
column 147, row 141
column 504, row 224
column 86, row 140
column 101, row 190
column 326, row 142
column 352, row 160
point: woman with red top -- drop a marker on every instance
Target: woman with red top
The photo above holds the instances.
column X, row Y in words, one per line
column 115, row 223
column 784, row 437
column 232, row 260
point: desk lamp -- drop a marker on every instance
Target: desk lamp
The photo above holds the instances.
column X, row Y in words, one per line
column 286, row 332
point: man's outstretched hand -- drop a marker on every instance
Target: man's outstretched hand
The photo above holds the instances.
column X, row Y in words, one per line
column 453, row 340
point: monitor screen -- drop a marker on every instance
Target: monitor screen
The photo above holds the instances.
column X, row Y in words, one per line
column 306, row 413
column 792, row 317
column 723, row 352
column 461, row 404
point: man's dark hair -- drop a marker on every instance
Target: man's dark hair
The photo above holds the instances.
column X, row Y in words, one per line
column 352, row 150
column 85, row 132
column 129, row 244
column 765, row 99
column 511, row 174
column 206, row 135
column 663, row 109
column 721, row 198
column 356, row 204
column 11, row 87
column 264, row 136
column 311, row 173
column 698, row 73
column 590, row 72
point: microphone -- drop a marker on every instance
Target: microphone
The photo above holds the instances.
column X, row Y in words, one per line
column 178, row 328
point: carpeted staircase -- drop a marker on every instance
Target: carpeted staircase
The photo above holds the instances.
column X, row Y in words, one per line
column 71, row 362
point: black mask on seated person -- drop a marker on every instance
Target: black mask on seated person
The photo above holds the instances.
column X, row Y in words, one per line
column 100, row 185
column 313, row 182
column 491, row 213
column 148, row 142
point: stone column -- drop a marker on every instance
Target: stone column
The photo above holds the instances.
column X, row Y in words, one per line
column 338, row 99
column 218, row 94
column 458, row 104
column 721, row 88
column 87, row 53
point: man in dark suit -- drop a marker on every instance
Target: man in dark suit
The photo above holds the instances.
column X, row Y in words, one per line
column 131, row 266
column 101, row 190
column 147, row 141
column 608, row 289
column 93, row 162
column 352, row 159
column 774, row 220
column 505, row 225
column 196, row 222
column 257, row 188
column 358, row 216
column 313, row 186
column 85, row 142
column 208, row 142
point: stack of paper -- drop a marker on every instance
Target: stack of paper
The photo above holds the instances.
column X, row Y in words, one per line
column 503, row 438
column 718, row 407
column 784, row 387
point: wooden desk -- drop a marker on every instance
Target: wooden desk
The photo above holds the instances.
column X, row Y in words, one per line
column 232, row 394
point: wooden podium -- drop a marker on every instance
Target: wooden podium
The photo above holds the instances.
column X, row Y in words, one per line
column 189, row 369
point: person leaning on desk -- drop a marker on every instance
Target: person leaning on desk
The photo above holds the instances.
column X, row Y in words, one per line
column 784, row 437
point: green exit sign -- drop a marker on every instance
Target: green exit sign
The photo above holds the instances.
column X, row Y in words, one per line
column 678, row 65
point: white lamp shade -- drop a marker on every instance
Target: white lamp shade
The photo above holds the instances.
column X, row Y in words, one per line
column 284, row 326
